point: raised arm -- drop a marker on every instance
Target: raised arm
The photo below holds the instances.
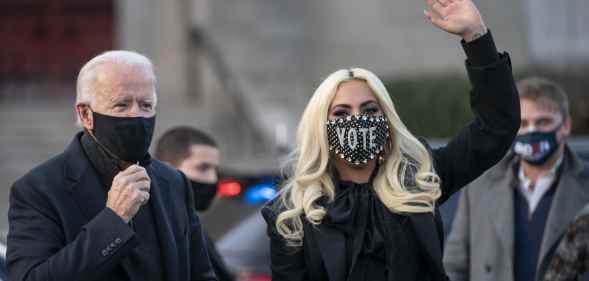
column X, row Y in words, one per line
column 494, row 100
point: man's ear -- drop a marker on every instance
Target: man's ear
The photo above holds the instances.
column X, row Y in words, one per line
column 85, row 115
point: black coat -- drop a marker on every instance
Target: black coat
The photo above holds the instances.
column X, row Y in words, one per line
column 221, row 270
column 476, row 148
column 60, row 228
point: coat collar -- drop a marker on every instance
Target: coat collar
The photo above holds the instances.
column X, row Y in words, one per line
column 332, row 246
column 572, row 194
column 82, row 181
column 84, row 185
column 76, row 162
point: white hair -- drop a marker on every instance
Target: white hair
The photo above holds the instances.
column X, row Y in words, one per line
column 85, row 85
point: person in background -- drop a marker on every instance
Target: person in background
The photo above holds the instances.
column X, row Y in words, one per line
column 571, row 259
column 510, row 220
column 197, row 155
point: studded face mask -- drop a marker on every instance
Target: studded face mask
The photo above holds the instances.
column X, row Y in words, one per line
column 358, row 138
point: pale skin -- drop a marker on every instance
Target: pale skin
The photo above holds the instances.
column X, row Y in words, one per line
column 535, row 116
column 122, row 91
column 459, row 17
column 202, row 164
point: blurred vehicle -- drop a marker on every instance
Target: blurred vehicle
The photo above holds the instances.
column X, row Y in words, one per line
column 246, row 248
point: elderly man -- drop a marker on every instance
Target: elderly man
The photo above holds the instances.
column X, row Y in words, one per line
column 103, row 209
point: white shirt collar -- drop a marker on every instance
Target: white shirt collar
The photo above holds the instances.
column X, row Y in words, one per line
column 542, row 186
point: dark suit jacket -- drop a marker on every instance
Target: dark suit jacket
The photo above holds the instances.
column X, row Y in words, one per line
column 221, row 270
column 60, row 228
column 477, row 147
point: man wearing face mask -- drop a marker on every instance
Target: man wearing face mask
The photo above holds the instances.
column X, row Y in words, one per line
column 196, row 154
column 510, row 220
column 103, row 209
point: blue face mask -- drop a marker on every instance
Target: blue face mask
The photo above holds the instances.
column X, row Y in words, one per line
column 536, row 147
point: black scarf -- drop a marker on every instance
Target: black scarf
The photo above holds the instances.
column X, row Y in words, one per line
column 380, row 245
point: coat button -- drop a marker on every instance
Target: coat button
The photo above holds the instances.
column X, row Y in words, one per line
column 488, row 268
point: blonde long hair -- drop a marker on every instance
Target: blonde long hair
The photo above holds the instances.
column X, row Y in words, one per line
column 311, row 180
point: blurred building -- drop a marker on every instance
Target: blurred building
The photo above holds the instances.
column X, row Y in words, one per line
column 241, row 70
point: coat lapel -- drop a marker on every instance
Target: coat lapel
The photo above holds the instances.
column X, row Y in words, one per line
column 168, row 245
column 570, row 197
column 89, row 195
column 83, row 183
column 85, row 187
column 332, row 247
column 429, row 239
column 500, row 208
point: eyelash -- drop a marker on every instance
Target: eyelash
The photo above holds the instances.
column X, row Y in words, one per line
column 371, row 110
column 340, row 113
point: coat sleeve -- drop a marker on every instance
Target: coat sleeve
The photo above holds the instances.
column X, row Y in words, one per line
column 37, row 249
column 200, row 263
column 495, row 104
column 457, row 250
column 286, row 263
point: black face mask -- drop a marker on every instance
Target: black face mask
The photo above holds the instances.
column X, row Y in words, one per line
column 358, row 138
column 536, row 147
column 123, row 138
column 204, row 193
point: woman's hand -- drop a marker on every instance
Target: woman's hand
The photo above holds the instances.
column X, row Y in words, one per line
column 460, row 17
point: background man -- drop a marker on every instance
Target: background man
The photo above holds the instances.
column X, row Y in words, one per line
column 510, row 220
column 196, row 154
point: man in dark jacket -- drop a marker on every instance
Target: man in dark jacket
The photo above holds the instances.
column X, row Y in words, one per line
column 103, row 209
column 196, row 154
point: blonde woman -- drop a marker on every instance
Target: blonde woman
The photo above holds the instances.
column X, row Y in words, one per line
column 361, row 203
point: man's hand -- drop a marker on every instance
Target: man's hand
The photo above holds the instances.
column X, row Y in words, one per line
column 129, row 190
column 460, row 17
